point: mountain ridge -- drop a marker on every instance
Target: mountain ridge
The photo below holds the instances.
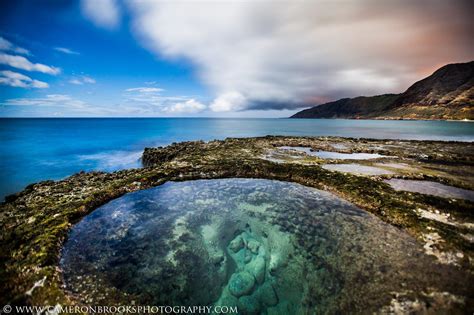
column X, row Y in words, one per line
column 447, row 94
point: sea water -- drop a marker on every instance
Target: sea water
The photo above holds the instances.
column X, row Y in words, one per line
column 53, row 148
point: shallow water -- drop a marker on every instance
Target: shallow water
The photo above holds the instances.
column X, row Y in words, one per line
column 430, row 188
column 306, row 150
column 260, row 245
column 347, row 156
column 334, row 155
column 354, row 168
column 400, row 166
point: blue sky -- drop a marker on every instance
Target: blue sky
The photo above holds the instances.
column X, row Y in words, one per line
column 110, row 61
column 224, row 58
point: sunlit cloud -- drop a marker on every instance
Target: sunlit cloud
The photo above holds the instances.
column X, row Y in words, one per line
column 189, row 106
column 228, row 102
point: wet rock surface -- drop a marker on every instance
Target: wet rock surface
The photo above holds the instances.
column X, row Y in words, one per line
column 35, row 223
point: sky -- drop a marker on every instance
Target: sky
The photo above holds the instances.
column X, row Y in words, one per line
column 132, row 58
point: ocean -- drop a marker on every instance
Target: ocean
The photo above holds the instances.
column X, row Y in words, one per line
column 53, row 148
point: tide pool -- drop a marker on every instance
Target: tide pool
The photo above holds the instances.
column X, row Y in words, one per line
column 263, row 246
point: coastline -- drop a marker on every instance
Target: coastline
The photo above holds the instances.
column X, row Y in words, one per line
column 35, row 222
column 383, row 118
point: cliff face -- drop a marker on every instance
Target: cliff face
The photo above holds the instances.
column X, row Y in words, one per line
column 446, row 94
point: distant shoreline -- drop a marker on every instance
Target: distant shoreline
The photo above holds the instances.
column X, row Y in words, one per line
column 244, row 118
column 388, row 119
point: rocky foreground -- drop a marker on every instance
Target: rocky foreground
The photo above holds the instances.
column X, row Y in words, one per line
column 34, row 223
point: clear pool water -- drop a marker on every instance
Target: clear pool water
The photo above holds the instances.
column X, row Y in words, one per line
column 266, row 247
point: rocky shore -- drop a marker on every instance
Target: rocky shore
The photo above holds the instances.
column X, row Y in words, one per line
column 34, row 223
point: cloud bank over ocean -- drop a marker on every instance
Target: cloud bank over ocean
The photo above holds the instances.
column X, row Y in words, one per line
column 274, row 55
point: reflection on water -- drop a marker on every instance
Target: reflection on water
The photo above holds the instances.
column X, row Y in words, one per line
column 267, row 247
column 430, row 188
column 348, row 156
column 335, row 155
column 354, row 168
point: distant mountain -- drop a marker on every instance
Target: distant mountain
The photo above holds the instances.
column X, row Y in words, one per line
column 446, row 94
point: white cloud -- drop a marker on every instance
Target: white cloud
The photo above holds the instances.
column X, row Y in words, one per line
column 82, row 80
column 66, row 51
column 277, row 54
column 150, row 101
column 366, row 79
column 87, row 79
column 16, row 79
column 103, row 13
column 8, row 46
column 231, row 101
column 76, row 81
column 24, row 64
column 145, row 90
column 190, row 106
column 49, row 100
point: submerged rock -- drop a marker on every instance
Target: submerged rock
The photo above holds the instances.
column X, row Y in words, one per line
column 257, row 268
column 241, row 283
column 267, row 294
column 248, row 257
column 236, row 244
column 249, row 305
column 253, row 246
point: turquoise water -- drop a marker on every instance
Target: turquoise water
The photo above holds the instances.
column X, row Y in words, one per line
column 39, row 149
column 267, row 247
